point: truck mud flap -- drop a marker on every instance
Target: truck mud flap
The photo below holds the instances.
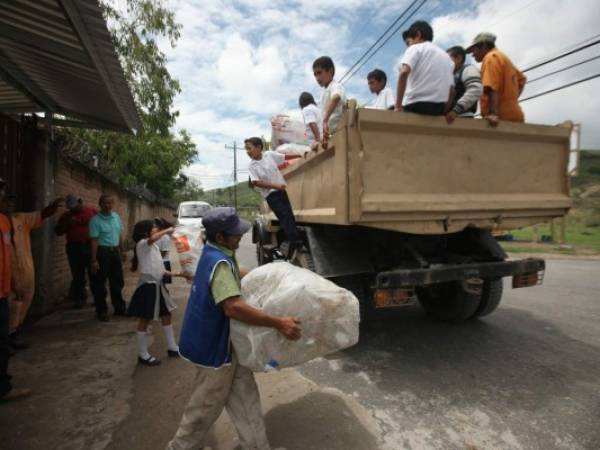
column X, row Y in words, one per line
column 525, row 272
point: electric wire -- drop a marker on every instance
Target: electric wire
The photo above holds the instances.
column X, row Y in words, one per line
column 382, row 36
column 385, row 41
column 563, row 69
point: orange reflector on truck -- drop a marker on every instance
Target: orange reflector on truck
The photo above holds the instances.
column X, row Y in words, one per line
column 527, row 279
column 384, row 298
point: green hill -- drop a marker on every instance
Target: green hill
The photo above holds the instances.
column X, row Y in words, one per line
column 247, row 197
column 589, row 169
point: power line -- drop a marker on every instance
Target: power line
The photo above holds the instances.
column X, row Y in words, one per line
column 564, row 86
column 385, row 41
column 563, row 69
column 556, row 58
column 342, row 79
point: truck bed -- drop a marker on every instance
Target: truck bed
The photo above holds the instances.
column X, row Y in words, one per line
column 417, row 174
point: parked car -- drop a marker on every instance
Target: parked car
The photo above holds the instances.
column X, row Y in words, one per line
column 191, row 213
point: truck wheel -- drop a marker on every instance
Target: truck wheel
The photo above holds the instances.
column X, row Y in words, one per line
column 261, row 255
column 454, row 301
column 491, row 295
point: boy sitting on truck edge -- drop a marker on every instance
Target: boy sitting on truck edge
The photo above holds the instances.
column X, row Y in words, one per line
column 426, row 80
column 266, row 178
column 377, row 79
column 333, row 96
column 313, row 120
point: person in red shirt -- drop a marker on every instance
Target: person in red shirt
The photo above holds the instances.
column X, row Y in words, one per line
column 7, row 392
column 75, row 225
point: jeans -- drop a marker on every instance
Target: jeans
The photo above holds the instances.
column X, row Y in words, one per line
column 78, row 254
column 426, row 108
column 279, row 203
column 111, row 269
column 5, row 385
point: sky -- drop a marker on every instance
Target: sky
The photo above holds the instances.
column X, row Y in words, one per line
column 239, row 62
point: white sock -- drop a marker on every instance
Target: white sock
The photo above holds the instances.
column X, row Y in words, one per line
column 170, row 336
column 142, row 343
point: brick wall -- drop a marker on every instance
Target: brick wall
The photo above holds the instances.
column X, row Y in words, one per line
column 72, row 177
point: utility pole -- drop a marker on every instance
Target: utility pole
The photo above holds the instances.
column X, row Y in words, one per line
column 234, row 148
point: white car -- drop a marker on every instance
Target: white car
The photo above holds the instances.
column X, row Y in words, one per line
column 191, row 213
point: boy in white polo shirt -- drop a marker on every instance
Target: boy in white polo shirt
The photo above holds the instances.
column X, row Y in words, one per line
column 377, row 80
column 267, row 179
column 425, row 84
column 333, row 96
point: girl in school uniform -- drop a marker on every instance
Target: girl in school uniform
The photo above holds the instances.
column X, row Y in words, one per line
column 151, row 300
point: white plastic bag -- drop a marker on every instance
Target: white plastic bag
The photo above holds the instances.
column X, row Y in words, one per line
column 293, row 149
column 285, row 130
column 329, row 316
column 188, row 243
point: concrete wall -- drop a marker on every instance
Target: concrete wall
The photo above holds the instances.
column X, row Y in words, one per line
column 72, row 177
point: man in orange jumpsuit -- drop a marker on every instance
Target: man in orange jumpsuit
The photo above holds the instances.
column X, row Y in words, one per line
column 23, row 272
column 502, row 81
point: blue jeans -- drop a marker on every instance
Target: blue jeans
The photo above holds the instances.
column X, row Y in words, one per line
column 279, row 203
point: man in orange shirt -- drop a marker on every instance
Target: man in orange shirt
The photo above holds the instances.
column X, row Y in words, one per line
column 7, row 392
column 23, row 273
column 502, row 82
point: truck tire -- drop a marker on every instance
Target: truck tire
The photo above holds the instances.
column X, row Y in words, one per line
column 454, row 301
column 261, row 255
column 491, row 294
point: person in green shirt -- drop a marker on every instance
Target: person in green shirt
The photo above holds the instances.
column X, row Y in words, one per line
column 106, row 259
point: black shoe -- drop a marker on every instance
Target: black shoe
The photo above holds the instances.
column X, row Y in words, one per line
column 151, row 361
column 11, row 350
column 17, row 342
column 103, row 317
column 79, row 305
column 173, row 353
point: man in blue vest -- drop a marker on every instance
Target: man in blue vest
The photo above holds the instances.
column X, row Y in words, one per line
column 214, row 299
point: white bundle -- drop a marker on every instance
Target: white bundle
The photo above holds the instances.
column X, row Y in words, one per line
column 285, row 130
column 329, row 316
column 188, row 243
column 293, row 149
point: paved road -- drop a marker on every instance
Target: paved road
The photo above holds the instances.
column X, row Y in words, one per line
column 525, row 377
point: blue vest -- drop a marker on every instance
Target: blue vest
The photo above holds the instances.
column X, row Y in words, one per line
column 204, row 336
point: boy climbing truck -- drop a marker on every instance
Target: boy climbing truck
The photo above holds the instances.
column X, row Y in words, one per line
column 401, row 207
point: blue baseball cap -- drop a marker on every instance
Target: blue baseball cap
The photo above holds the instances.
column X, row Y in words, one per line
column 224, row 220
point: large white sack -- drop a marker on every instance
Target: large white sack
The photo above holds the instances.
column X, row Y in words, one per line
column 329, row 315
column 293, row 149
column 285, row 130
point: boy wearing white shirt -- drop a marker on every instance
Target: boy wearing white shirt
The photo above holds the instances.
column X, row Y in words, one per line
column 267, row 179
column 377, row 80
column 426, row 81
column 333, row 96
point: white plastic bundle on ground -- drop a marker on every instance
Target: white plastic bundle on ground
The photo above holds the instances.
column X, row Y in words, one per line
column 285, row 130
column 329, row 315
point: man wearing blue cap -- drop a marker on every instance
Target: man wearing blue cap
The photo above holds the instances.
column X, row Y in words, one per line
column 214, row 299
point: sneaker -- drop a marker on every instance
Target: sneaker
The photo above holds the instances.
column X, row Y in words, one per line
column 173, row 353
column 16, row 394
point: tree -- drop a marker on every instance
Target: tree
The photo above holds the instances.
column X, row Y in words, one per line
column 155, row 155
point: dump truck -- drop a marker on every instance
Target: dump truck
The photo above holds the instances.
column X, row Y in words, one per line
column 401, row 207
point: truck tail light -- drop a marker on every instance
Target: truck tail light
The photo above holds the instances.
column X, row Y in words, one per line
column 385, row 298
column 527, row 279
